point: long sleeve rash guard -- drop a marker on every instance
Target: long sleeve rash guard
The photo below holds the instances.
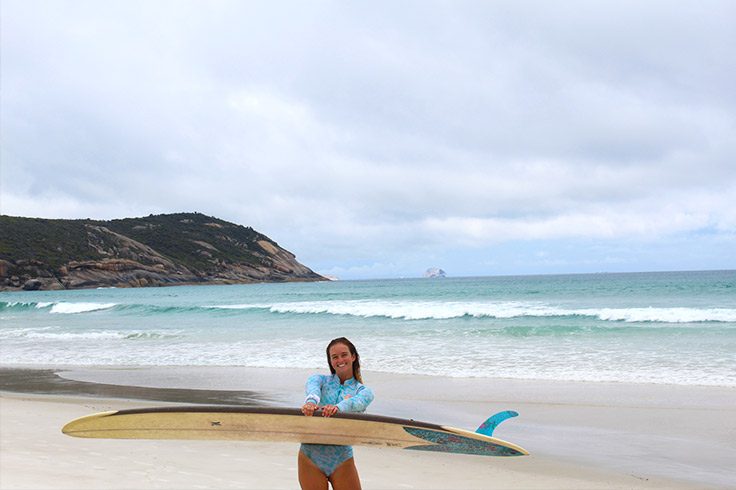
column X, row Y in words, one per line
column 350, row 396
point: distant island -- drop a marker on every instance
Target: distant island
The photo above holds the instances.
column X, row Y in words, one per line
column 158, row 250
column 434, row 272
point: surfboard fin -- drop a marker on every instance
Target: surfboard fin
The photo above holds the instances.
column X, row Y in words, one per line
column 487, row 427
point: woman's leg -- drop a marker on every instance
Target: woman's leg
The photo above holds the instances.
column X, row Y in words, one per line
column 310, row 476
column 345, row 476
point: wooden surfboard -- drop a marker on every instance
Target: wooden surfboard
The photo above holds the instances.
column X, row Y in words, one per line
column 290, row 425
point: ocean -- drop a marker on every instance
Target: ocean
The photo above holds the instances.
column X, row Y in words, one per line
column 675, row 328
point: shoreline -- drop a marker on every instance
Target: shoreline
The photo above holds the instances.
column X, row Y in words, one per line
column 580, row 435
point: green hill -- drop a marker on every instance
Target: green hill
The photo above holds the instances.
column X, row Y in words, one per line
column 169, row 249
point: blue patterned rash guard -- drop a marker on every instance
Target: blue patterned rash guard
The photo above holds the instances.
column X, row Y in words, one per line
column 350, row 396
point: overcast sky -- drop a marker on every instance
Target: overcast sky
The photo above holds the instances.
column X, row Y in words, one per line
column 378, row 139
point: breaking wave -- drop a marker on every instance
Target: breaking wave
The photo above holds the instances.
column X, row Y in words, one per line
column 448, row 310
column 402, row 310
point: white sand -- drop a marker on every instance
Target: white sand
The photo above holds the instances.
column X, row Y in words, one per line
column 580, row 435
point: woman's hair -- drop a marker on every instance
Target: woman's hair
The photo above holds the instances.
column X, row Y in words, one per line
column 353, row 350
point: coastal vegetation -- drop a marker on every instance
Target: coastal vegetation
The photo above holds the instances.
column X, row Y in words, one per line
column 37, row 253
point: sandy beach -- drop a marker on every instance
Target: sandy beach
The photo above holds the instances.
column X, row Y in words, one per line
column 580, row 435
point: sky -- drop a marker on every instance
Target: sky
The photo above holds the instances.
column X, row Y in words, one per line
column 379, row 139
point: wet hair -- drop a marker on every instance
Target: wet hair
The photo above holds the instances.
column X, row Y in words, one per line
column 351, row 348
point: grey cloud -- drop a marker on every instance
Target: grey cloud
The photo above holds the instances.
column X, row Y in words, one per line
column 353, row 122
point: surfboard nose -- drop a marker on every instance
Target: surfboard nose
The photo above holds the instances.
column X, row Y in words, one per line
column 80, row 427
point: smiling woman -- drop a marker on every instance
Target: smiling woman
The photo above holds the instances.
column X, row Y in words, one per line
column 342, row 391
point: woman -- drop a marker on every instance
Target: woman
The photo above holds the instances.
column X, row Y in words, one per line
column 343, row 391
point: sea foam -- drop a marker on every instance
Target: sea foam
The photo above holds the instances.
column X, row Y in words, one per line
column 72, row 308
column 420, row 310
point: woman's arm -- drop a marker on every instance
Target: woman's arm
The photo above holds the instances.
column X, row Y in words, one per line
column 358, row 402
column 314, row 389
column 314, row 394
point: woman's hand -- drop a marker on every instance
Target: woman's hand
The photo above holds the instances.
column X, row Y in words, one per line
column 308, row 409
column 329, row 410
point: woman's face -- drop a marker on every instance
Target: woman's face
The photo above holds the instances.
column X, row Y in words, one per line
column 341, row 361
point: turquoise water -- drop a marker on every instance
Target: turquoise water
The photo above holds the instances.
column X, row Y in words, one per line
column 675, row 327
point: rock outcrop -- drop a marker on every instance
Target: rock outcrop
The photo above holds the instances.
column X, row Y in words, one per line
column 163, row 250
column 434, row 272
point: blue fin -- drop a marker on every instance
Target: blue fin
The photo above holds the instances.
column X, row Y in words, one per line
column 487, row 427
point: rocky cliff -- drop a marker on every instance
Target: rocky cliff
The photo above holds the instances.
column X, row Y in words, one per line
column 162, row 250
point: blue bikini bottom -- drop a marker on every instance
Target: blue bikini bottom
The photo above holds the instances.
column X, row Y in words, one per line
column 327, row 457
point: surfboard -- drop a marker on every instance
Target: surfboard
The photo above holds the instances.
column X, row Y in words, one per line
column 290, row 425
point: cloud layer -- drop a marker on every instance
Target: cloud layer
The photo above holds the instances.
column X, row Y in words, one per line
column 375, row 140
